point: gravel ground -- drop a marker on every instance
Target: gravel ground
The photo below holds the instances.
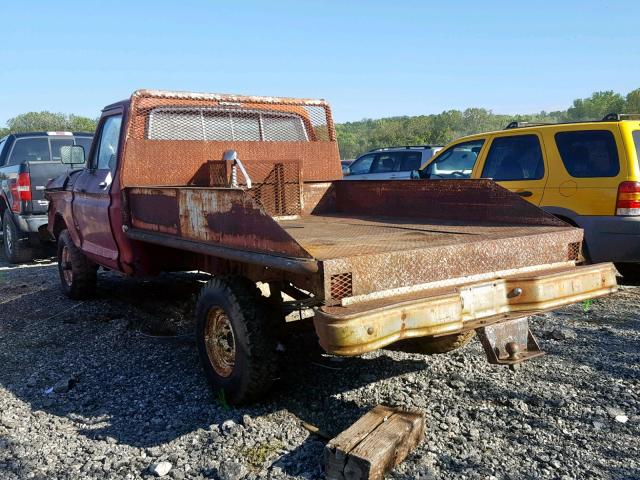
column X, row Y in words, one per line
column 112, row 388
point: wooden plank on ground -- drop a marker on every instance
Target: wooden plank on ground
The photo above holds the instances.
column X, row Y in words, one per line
column 372, row 446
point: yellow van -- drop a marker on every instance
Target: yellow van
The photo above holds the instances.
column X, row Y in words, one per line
column 585, row 173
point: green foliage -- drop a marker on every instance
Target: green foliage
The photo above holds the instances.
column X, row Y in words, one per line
column 632, row 104
column 596, row 106
column 354, row 138
column 586, row 305
column 47, row 121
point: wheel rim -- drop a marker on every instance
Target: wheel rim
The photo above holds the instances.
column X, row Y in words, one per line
column 65, row 265
column 220, row 342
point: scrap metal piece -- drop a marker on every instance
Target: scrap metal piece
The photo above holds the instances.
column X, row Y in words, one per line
column 509, row 343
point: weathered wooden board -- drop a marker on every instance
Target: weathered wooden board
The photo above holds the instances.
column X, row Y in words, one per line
column 372, row 446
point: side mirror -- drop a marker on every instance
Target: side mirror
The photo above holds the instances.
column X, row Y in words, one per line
column 72, row 155
column 346, row 170
column 415, row 175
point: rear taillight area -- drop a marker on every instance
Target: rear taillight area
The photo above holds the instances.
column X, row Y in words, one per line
column 20, row 191
column 628, row 202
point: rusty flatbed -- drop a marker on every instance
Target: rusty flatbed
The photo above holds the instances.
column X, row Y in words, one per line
column 249, row 189
column 328, row 237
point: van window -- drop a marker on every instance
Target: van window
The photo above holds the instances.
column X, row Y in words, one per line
column 589, row 153
column 455, row 162
column 30, row 150
column 516, row 157
column 636, row 141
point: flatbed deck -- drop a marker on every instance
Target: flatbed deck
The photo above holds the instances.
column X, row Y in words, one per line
column 333, row 236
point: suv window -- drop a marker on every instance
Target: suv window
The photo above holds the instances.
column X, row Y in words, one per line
column 108, row 147
column 30, row 150
column 455, row 162
column 516, row 157
column 636, row 141
column 588, row 153
column 410, row 161
column 385, row 162
column 362, row 165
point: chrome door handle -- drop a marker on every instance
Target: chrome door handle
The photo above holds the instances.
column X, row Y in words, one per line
column 103, row 184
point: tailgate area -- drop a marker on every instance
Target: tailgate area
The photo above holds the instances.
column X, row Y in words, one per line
column 362, row 327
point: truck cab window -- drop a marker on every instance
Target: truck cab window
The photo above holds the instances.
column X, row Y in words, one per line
column 108, row 147
column 30, row 150
column 56, row 144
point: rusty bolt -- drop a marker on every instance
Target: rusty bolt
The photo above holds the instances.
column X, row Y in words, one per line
column 516, row 292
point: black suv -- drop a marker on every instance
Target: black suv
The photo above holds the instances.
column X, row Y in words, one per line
column 27, row 162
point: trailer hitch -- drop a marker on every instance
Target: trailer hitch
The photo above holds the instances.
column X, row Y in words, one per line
column 509, row 343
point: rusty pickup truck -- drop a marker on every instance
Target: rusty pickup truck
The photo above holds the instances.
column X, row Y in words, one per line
column 249, row 189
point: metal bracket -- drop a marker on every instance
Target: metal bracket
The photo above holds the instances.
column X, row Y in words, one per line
column 509, row 343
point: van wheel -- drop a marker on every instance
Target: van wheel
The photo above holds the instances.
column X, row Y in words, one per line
column 16, row 250
column 78, row 275
column 237, row 348
column 630, row 271
column 432, row 345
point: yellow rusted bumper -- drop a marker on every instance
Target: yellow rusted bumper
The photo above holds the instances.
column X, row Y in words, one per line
column 363, row 327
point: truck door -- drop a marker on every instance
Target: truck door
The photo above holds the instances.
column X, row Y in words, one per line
column 92, row 194
column 517, row 163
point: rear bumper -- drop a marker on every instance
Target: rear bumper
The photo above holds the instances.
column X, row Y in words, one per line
column 612, row 238
column 30, row 223
column 360, row 328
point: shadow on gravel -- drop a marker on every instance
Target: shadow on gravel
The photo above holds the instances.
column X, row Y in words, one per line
column 130, row 360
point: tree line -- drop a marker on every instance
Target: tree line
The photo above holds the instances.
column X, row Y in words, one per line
column 355, row 138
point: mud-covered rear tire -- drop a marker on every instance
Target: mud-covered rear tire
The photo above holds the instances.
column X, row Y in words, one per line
column 432, row 345
column 78, row 275
column 16, row 249
column 236, row 346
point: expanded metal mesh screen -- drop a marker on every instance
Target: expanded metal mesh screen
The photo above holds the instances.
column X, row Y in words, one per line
column 211, row 117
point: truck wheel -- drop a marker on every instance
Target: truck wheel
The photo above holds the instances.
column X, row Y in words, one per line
column 78, row 275
column 237, row 348
column 15, row 250
column 431, row 345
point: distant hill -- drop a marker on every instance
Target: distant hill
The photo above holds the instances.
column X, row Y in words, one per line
column 355, row 138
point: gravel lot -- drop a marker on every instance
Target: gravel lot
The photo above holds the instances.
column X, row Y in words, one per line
column 128, row 393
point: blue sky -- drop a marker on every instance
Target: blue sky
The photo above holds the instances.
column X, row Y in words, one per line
column 368, row 58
